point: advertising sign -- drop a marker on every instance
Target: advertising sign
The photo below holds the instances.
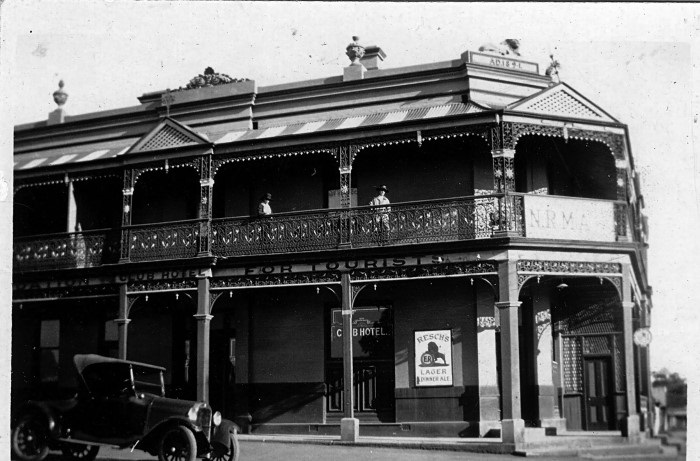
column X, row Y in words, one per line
column 433, row 358
column 569, row 219
column 372, row 333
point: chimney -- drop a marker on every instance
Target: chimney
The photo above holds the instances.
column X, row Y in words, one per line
column 373, row 56
column 60, row 97
column 354, row 51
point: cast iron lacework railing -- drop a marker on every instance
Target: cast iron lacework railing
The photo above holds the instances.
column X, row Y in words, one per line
column 66, row 250
column 442, row 220
column 174, row 240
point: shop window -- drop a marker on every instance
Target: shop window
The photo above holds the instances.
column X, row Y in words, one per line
column 48, row 351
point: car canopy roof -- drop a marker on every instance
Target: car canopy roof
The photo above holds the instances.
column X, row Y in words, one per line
column 82, row 361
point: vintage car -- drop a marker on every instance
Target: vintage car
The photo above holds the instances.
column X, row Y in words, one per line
column 122, row 404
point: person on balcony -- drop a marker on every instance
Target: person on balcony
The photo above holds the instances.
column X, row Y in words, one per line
column 264, row 208
column 381, row 212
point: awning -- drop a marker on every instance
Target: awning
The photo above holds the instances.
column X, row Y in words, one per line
column 336, row 124
column 78, row 154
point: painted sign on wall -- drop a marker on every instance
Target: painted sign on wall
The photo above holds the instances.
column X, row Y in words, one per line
column 569, row 219
column 433, row 358
column 372, row 332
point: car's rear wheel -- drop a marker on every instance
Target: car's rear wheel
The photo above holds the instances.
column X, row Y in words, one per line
column 30, row 439
column 177, row 444
column 75, row 451
column 231, row 453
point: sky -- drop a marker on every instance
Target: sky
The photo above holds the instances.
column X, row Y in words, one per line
column 636, row 61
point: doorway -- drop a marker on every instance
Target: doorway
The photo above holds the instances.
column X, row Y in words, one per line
column 373, row 365
column 598, row 393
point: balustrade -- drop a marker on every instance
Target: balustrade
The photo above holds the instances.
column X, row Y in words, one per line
column 174, row 240
column 66, row 250
column 444, row 220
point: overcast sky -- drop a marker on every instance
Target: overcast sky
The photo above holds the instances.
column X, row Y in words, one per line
column 632, row 60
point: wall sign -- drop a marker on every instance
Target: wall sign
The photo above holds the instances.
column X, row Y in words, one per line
column 433, row 358
column 372, row 333
column 569, row 219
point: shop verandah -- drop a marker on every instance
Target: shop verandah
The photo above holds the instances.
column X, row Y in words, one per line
column 282, row 369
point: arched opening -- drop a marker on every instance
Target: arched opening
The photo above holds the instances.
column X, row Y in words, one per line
column 98, row 203
column 573, row 168
column 40, row 210
column 571, row 353
column 163, row 332
column 296, row 183
column 161, row 196
column 439, row 168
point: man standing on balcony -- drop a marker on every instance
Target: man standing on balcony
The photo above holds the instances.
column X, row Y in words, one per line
column 264, row 208
column 381, row 211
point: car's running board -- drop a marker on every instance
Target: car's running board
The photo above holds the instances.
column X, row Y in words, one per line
column 89, row 442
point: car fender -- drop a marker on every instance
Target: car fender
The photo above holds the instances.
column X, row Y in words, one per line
column 44, row 411
column 223, row 432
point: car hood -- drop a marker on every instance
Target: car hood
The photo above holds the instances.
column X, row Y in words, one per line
column 164, row 408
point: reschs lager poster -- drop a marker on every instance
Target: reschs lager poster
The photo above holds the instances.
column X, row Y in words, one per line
column 433, row 357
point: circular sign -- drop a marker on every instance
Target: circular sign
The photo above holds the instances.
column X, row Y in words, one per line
column 642, row 337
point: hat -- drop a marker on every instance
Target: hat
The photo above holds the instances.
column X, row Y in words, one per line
column 267, row 196
column 382, row 187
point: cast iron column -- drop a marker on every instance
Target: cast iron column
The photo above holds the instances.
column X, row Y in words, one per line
column 632, row 425
column 349, row 425
column 206, row 187
column 123, row 320
column 203, row 329
column 512, row 425
column 127, row 194
column 346, row 155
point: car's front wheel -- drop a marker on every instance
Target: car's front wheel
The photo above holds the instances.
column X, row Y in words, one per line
column 231, row 453
column 30, row 439
column 177, row 444
column 78, row 451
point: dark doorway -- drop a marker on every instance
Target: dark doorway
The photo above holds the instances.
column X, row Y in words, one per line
column 373, row 365
column 598, row 393
column 528, row 364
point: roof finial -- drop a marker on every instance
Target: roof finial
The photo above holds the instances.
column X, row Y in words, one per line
column 59, row 96
column 354, row 50
column 553, row 69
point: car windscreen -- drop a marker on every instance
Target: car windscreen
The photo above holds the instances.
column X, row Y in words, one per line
column 108, row 379
column 148, row 380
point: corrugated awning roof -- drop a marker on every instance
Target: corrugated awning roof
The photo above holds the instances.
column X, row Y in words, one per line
column 360, row 121
column 78, row 154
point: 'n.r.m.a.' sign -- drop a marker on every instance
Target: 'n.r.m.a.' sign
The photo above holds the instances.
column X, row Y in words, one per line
column 569, row 218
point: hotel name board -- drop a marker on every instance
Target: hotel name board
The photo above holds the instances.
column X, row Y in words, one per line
column 502, row 62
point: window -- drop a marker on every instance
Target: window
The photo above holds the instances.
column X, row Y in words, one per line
column 48, row 351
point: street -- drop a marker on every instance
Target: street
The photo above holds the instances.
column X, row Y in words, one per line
column 264, row 451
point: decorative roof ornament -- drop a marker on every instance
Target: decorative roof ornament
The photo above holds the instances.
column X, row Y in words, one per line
column 355, row 51
column 211, row 78
column 553, row 69
column 509, row 46
column 59, row 96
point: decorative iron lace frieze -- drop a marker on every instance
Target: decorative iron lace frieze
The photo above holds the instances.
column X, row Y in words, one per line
column 162, row 285
column 302, row 278
column 428, row 270
column 568, row 267
column 82, row 291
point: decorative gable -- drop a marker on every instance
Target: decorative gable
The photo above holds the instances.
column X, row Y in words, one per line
column 168, row 134
column 562, row 101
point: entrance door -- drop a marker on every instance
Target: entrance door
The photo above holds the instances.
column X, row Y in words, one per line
column 598, row 393
column 373, row 365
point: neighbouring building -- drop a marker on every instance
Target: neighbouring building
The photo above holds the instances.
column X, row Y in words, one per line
column 501, row 289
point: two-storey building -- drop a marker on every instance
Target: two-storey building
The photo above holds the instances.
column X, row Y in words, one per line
column 500, row 289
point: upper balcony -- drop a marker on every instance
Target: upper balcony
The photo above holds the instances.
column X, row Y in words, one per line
column 432, row 221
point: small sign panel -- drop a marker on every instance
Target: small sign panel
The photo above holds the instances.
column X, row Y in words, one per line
column 502, row 62
column 433, row 358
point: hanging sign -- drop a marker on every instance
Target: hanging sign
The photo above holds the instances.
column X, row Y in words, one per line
column 433, row 358
column 372, row 332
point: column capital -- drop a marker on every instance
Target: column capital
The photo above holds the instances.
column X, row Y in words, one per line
column 508, row 304
column 122, row 321
column 628, row 305
column 203, row 317
column 506, row 153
